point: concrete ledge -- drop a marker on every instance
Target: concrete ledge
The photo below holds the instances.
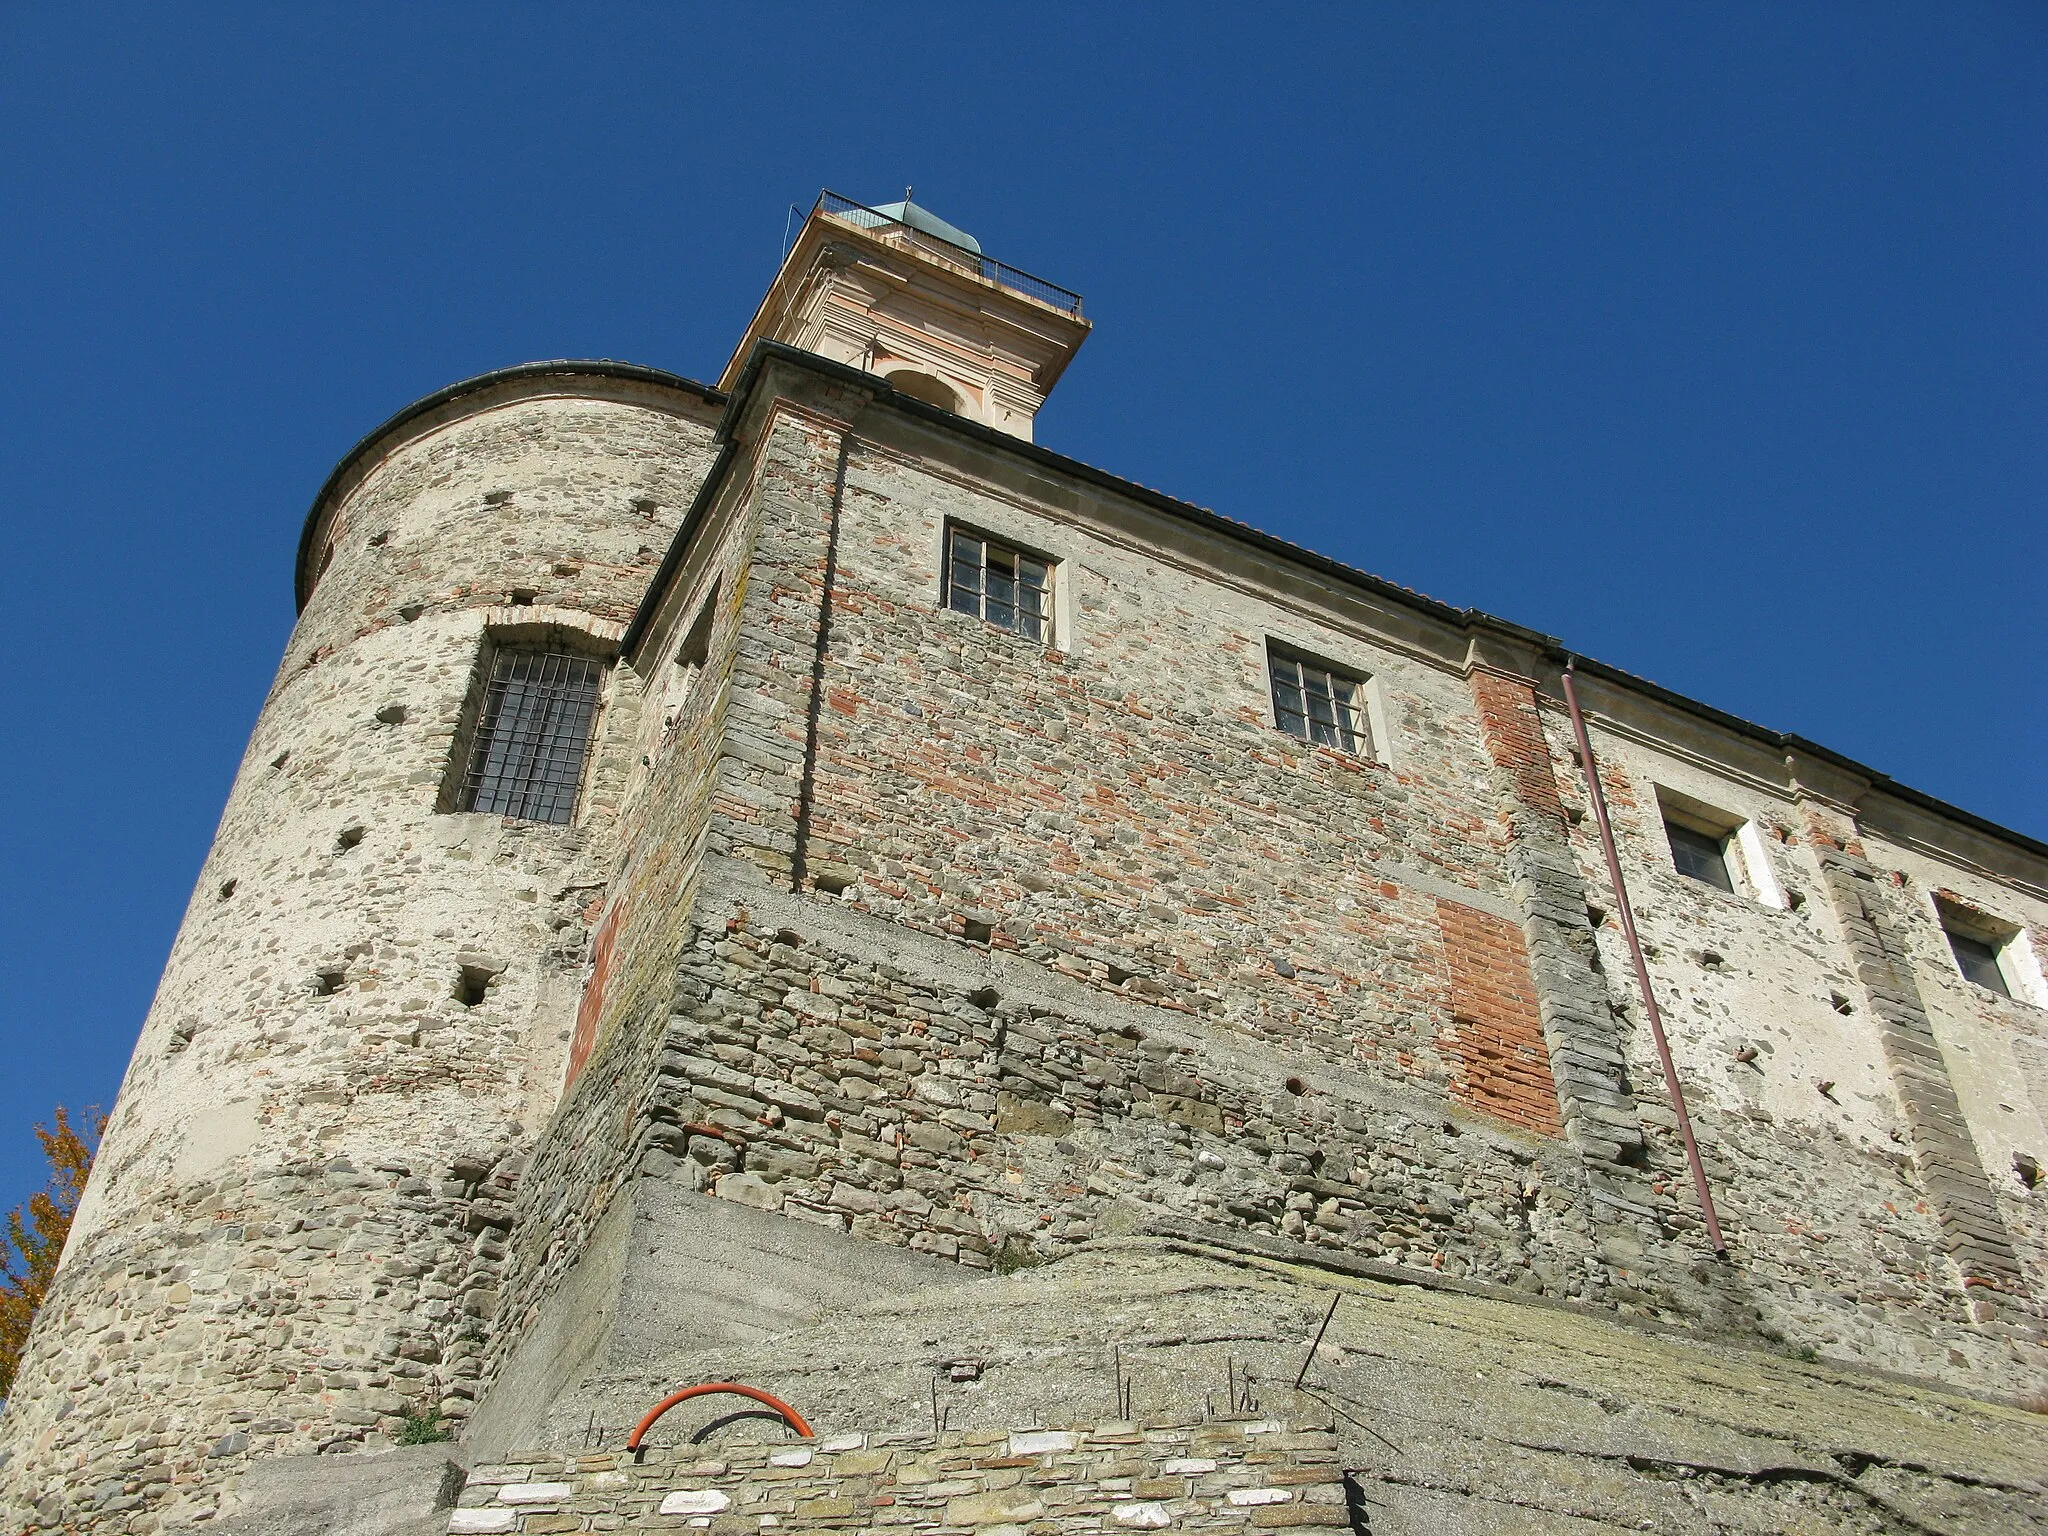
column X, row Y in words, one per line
column 671, row 1273
column 406, row 1492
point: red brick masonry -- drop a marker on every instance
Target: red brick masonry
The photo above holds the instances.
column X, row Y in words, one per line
column 1514, row 738
column 1497, row 1035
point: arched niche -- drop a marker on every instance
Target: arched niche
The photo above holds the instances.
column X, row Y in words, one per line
column 920, row 385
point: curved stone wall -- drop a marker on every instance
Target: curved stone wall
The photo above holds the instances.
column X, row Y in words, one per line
column 293, row 1226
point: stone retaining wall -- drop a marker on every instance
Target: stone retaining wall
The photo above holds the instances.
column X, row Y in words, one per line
column 1228, row 1476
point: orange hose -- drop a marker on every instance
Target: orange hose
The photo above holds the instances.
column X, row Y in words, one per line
column 790, row 1416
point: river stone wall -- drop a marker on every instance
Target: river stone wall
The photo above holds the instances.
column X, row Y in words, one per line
column 1226, row 1476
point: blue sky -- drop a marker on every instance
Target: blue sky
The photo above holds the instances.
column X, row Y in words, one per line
column 1708, row 338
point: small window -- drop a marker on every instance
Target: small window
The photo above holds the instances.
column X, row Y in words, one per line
column 527, row 759
column 692, row 656
column 695, row 649
column 473, row 985
column 1000, row 585
column 1978, row 961
column 1317, row 704
column 1717, row 847
column 1989, row 953
column 1700, row 856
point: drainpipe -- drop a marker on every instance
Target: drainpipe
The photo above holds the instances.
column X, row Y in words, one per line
column 1635, row 952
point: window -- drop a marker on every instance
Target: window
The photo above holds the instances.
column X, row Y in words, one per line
column 1000, row 585
column 1719, row 847
column 922, row 386
column 1977, row 959
column 1700, row 856
column 1989, row 953
column 693, row 654
column 531, row 737
column 695, row 650
column 1317, row 704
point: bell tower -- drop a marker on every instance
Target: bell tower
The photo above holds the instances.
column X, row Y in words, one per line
column 899, row 292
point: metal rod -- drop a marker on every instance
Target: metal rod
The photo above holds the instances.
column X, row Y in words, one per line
column 1635, row 952
column 1309, row 1359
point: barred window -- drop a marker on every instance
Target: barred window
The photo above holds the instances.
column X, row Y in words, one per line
column 1318, row 705
column 1006, row 588
column 531, row 737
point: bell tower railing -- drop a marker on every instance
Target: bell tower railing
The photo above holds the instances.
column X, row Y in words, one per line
column 1001, row 273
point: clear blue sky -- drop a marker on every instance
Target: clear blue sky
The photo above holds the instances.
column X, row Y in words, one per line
column 1709, row 338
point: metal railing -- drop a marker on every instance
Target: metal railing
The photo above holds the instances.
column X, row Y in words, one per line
column 863, row 217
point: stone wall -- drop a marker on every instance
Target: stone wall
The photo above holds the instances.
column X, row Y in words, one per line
column 1081, row 941
column 714, row 736
column 292, row 1234
column 1119, row 810
column 918, row 1092
column 879, row 918
column 1226, row 1475
column 1119, row 807
column 1458, row 1408
column 1806, row 1126
column 926, row 1101
column 606, row 1123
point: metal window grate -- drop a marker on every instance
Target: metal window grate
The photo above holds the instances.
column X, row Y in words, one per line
column 995, row 583
column 1316, row 704
column 535, row 729
column 1700, row 857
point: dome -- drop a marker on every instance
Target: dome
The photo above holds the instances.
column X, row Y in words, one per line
column 924, row 222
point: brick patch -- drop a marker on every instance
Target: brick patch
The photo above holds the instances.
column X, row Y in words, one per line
column 1514, row 736
column 592, row 1004
column 1496, row 1032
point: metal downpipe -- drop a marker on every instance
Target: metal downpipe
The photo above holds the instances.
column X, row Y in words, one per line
column 1635, row 953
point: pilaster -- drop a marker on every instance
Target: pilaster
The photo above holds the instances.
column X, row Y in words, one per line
column 1944, row 1153
column 761, row 799
column 1587, row 1060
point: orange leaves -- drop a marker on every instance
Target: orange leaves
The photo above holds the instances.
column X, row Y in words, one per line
column 35, row 1233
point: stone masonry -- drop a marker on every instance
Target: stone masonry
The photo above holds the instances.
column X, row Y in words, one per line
column 300, row 1204
column 897, row 958
column 1230, row 1475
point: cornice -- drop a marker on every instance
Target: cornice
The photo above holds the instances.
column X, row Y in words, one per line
column 573, row 376
column 1501, row 635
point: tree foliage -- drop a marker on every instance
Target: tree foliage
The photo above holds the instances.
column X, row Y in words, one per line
column 34, row 1238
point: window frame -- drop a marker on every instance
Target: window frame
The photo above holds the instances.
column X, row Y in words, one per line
column 1364, row 730
column 690, row 658
column 1677, row 832
column 2005, row 945
column 1744, row 850
column 1993, row 957
column 478, row 721
column 951, row 591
